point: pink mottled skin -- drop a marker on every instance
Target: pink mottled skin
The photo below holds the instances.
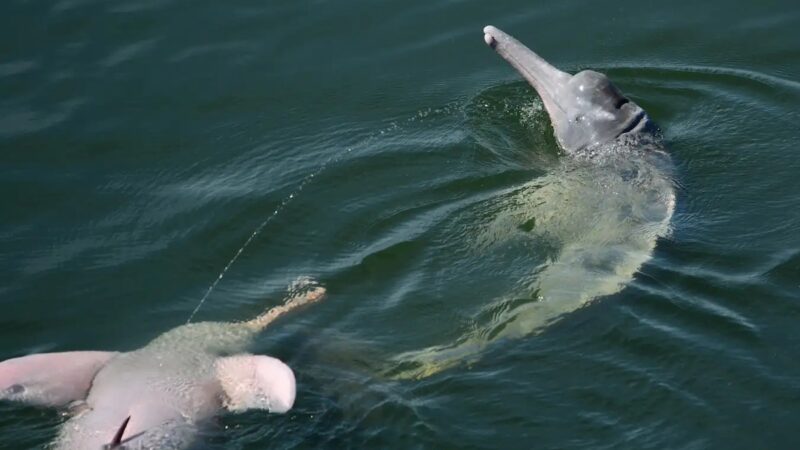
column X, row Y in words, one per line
column 169, row 388
column 75, row 373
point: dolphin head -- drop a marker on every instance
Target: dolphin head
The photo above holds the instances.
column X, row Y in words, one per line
column 586, row 109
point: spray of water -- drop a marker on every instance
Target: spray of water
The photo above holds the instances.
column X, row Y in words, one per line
column 255, row 233
column 392, row 127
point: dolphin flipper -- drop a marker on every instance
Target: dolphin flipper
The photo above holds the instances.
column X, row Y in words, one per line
column 50, row 379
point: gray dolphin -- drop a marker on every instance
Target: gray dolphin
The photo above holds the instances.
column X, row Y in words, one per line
column 158, row 396
column 586, row 109
column 605, row 206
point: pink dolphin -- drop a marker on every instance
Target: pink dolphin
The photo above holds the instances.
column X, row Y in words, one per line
column 157, row 396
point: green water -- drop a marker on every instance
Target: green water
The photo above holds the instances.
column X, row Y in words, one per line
column 367, row 144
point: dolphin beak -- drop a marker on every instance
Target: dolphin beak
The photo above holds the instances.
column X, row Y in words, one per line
column 546, row 79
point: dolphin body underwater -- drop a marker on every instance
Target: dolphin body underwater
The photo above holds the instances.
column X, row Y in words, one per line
column 159, row 396
column 605, row 206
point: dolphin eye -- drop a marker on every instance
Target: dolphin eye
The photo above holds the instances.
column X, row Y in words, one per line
column 578, row 118
column 14, row 389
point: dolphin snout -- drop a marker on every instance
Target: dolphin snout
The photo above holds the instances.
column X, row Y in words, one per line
column 487, row 36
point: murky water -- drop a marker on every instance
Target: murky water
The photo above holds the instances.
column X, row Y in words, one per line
column 378, row 146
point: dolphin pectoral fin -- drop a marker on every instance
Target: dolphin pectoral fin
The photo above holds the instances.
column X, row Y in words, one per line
column 50, row 379
column 256, row 382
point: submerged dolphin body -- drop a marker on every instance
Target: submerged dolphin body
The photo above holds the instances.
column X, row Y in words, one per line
column 158, row 396
column 605, row 206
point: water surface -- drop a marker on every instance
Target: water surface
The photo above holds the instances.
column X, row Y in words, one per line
column 369, row 144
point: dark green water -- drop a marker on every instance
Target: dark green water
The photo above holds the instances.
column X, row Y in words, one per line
column 143, row 142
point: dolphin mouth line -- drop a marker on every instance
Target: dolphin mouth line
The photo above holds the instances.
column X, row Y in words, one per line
column 566, row 96
column 635, row 122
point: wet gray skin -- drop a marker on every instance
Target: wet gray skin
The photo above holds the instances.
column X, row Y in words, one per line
column 603, row 207
column 586, row 109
